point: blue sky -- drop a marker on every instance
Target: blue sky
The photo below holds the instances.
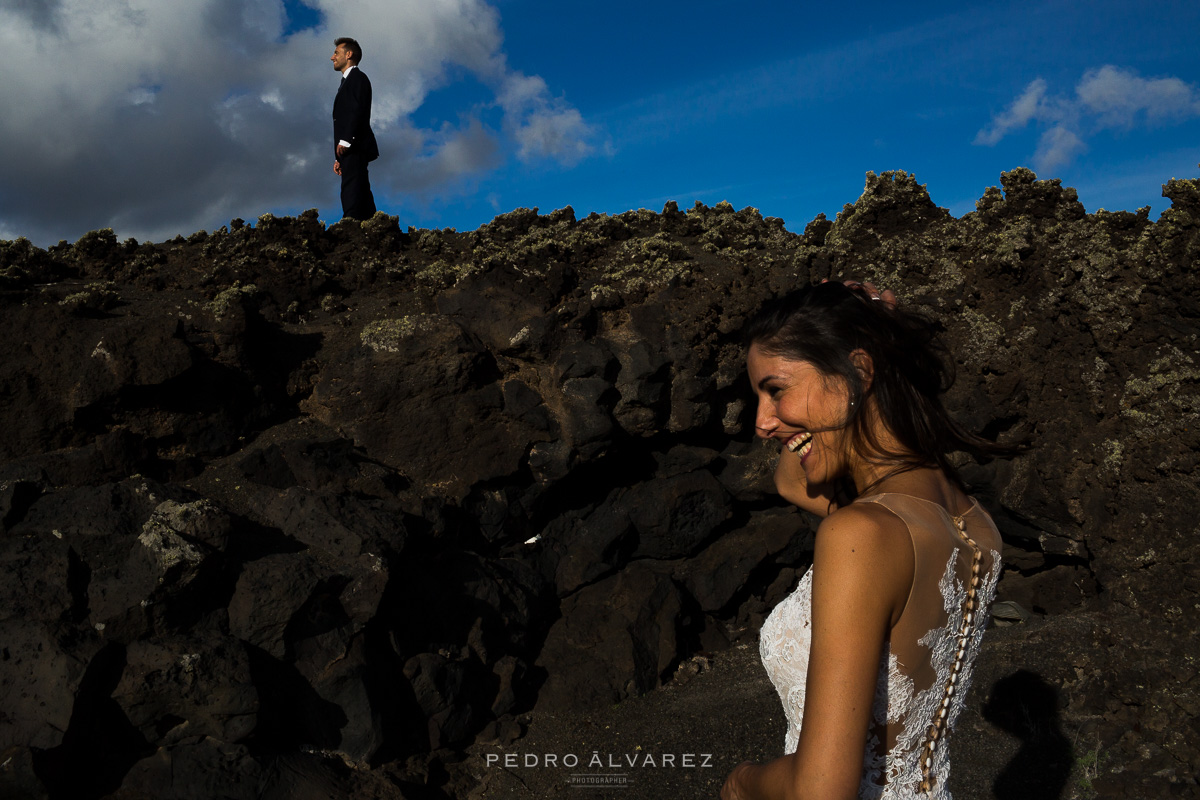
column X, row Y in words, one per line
column 159, row 117
column 786, row 106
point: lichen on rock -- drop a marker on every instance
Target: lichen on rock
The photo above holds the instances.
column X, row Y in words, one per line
column 96, row 296
column 162, row 536
column 386, row 335
column 1168, row 394
column 236, row 296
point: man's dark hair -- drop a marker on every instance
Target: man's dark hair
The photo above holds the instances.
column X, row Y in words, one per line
column 352, row 47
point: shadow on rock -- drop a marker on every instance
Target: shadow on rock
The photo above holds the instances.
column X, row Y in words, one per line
column 100, row 744
column 1024, row 705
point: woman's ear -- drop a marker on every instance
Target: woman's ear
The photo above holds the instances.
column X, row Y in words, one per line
column 865, row 365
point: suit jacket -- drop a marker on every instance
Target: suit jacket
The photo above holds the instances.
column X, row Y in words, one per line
column 352, row 115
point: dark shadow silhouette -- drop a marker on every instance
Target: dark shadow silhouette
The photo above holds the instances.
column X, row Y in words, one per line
column 100, row 745
column 1024, row 705
column 292, row 715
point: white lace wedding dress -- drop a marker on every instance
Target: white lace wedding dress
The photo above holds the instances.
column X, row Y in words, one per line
column 928, row 659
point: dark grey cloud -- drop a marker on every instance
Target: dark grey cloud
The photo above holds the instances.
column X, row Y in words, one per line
column 42, row 14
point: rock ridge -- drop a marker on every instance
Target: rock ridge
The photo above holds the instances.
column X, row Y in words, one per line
column 295, row 508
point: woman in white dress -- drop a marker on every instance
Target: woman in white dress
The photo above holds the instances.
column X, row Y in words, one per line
column 872, row 653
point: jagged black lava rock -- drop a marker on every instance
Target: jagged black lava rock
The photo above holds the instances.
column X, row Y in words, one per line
column 290, row 510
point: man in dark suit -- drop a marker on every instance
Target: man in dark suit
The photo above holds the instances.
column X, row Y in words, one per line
column 354, row 143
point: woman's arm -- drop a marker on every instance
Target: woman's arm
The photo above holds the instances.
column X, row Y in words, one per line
column 862, row 574
column 792, row 485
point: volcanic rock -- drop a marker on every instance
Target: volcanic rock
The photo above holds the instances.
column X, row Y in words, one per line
column 294, row 510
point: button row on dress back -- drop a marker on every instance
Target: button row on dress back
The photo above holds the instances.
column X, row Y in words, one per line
column 937, row 729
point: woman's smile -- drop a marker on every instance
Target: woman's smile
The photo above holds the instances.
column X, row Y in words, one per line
column 795, row 403
column 800, row 444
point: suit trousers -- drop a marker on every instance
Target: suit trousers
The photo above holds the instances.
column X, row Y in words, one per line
column 357, row 200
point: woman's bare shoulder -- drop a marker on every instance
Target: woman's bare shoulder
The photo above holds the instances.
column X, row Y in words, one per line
column 866, row 544
column 867, row 525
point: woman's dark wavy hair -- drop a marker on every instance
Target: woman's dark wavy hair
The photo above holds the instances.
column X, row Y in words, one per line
column 825, row 323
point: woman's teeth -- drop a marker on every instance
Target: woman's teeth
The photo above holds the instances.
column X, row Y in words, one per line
column 800, row 444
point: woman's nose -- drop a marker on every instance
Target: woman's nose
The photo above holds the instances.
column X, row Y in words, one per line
column 765, row 423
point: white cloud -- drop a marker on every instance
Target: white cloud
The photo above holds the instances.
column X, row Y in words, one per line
column 560, row 134
column 272, row 98
column 1105, row 98
column 544, row 127
column 163, row 116
column 1118, row 97
column 1018, row 115
column 522, row 91
column 1056, row 147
